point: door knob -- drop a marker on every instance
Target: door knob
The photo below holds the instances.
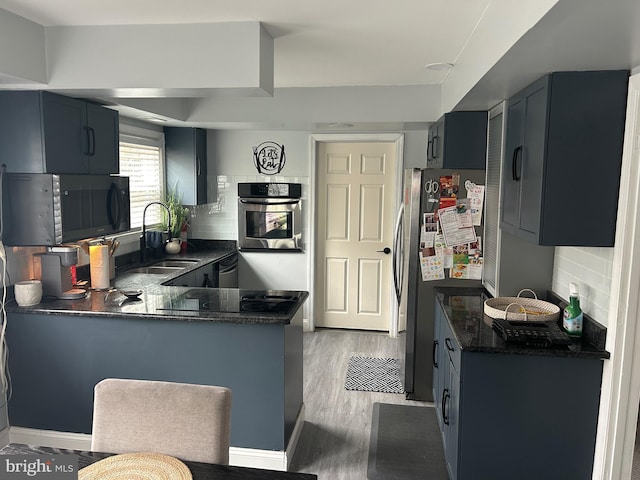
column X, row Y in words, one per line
column 385, row 250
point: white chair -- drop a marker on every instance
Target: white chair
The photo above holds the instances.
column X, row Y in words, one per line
column 190, row 422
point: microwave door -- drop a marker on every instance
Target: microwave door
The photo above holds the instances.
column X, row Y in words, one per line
column 75, row 208
column 110, row 204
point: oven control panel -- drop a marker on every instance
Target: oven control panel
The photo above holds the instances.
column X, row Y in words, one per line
column 269, row 190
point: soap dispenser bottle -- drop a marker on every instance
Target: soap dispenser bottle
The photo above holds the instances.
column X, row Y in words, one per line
column 572, row 318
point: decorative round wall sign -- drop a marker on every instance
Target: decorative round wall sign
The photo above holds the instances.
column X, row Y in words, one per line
column 269, row 158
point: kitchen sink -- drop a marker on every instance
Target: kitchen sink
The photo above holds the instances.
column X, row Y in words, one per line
column 175, row 263
column 158, row 270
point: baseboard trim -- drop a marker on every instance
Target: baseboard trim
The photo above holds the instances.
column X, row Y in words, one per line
column 50, row 438
column 241, row 457
column 295, row 437
column 4, row 437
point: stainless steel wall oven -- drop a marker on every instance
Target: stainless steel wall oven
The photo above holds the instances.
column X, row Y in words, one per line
column 269, row 216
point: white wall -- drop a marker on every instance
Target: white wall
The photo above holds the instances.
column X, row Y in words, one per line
column 415, row 149
column 230, row 160
column 178, row 58
column 22, row 50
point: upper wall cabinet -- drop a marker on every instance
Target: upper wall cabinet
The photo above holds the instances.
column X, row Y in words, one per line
column 41, row 132
column 562, row 158
column 458, row 140
column 186, row 154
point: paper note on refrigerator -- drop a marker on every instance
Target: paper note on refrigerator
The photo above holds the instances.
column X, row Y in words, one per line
column 443, row 251
column 475, row 194
column 431, row 267
column 454, row 233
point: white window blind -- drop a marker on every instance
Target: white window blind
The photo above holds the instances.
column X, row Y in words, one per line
column 142, row 163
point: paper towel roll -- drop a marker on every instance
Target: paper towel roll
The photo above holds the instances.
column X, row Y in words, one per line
column 99, row 266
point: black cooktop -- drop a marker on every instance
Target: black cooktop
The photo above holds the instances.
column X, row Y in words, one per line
column 234, row 301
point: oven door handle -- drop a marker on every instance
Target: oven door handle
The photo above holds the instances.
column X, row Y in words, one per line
column 258, row 202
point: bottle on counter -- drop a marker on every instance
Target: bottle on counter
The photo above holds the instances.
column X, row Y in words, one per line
column 183, row 237
column 572, row 318
column 207, row 281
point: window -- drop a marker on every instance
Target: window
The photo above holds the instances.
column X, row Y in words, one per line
column 141, row 159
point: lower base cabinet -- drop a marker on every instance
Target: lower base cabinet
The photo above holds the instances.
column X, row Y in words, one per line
column 196, row 278
column 514, row 416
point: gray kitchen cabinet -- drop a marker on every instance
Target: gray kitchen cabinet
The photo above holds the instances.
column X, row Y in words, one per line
column 563, row 157
column 506, row 416
column 186, row 155
column 458, row 140
column 42, row 132
column 446, row 388
column 195, row 278
column 502, row 250
column 438, row 363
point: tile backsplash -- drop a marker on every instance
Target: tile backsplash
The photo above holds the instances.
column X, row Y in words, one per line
column 590, row 269
column 219, row 220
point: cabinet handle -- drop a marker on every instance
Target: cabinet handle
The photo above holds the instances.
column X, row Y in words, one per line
column 114, row 191
column 514, row 163
column 88, row 138
column 447, row 342
column 433, row 146
column 435, row 358
column 198, row 166
column 92, row 143
column 429, row 155
column 445, row 400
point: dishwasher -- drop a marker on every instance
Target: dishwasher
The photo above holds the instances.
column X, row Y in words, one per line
column 228, row 272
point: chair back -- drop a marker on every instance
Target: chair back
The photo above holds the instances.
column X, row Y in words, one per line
column 190, row 422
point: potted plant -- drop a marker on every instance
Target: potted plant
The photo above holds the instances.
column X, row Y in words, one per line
column 179, row 214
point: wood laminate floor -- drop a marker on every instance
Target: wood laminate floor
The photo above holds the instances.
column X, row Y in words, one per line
column 334, row 443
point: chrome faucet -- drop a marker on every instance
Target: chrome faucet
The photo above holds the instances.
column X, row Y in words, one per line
column 143, row 237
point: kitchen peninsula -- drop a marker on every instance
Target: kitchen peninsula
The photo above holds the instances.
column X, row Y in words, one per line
column 61, row 348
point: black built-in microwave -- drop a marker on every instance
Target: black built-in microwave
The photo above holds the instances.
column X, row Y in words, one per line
column 48, row 209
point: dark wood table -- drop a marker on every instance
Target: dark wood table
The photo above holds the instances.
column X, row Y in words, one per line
column 199, row 471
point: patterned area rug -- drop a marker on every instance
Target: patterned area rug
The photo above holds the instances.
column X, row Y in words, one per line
column 372, row 374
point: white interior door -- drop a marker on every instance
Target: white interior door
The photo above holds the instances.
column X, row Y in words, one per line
column 355, row 222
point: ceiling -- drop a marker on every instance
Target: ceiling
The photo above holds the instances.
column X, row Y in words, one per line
column 317, row 44
column 369, row 44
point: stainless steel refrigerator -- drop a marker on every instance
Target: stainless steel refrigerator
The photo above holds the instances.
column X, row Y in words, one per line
column 416, row 297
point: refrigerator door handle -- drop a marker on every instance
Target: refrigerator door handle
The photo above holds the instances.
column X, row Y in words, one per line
column 397, row 253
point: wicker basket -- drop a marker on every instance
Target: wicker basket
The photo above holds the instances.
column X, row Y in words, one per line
column 531, row 309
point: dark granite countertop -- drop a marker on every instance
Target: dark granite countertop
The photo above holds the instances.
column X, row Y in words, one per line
column 464, row 309
column 191, row 304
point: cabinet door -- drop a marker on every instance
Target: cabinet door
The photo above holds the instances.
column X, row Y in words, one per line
column 437, row 144
column 430, row 135
column 186, row 280
column 452, row 415
column 464, row 140
column 439, row 356
column 200, row 276
column 533, row 160
column 103, row 147
column 512, row 165
column 201, row 165
column 66, row 140
column 186, row 153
